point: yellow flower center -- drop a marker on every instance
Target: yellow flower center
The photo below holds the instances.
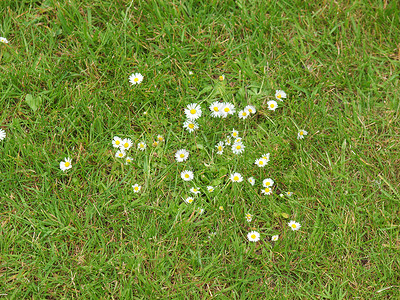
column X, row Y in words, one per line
column 128, row 160
column 272, row 105
column 279, row 96
column 267, row 190
column 120, row 155
column 253, row 236
column 261, row 162
column 244, row 113
column 136, row 79
column 250, row 110
column 186, row 175
column 238, row 147
column 141, row 146
column 194, row 190
column 234, row 134
column 219, row 148
column 294, row 226
column 301, row 132
column 182, row 155
column 226, row 109
column 221, row 77
column 216, row 108
column 117, row 142
column 160, row 138
column 221, row 208
column 126, row 145
column 67, row 164
column 267, row 183
column 236, row 178
column 136, row 188
column 192, row 111
column 190, row 200
column 191, row 126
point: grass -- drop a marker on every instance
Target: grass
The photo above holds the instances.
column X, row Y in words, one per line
column 85, row 234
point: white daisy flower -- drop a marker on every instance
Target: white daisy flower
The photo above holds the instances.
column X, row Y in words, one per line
column 195, row 190
column 221, row 208
column 251, row 180
column 294, row 225
column 220, row 146
column 216, row 109
column 187, row 175
column 136, row 78
column 272, row 104
column 301, row 134
column 160, row 138
column 228, row 141
column 235, row 133
column 228, row 109
column 141, row 146
column 2, row 134
column 190, row 125
column 221, row 77
column 236, row 177
column 189, row 200
column 116, row 142
column 243, row 114
column 193, row 111
column 3, row 40
column 251, row 109
column 136, row 188
column 128, row 160
column 289, row 194
column 155, row 144
column 266, row 191
column 66, row 164
column 201, row 211
column 120, row 154
column 261, row 162
column 210, row 188
column 265, row 156
column 181, row 155
column 279, row 95
column 126, row 144
column 249, row 217
column 253, row 236
column 274, row 238
column 238, row 140
column 268, row 182
column 238, row 148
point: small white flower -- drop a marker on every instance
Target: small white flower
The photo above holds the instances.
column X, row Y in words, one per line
column 251, row 180
column 268, row 182
column 160, row 138
column 201, row 211
column 243, row 114
column 3, row 40
column 236, row 177
column 187, row 175
column 238, row 148
column 289, row 194
column 220, row 146
column 238, row 140
column 193, row 111
column 120, row 154
column 195, row 190
column 189, row 200
column 216, row 109
column 141, row 146
column 235, row 133
column 181, row 155
column 126, row 144
column 190, row 73
column 265, row 156
column 66, row 164
column 261, row 162
column 155, row 144
column 116, row 142
column 212, row 234
column 128, row 160
column 221, row 77
column 227, row 109
column 190, row 125
column 136, row 188
column 2, row 134
column 249, row 217
column 274, row 238
column 210, row 188
column 281, row 195
column 279, row 94
column 253, row 236
column 301, row 134
column 136, row 78
column 251, row 109
column 228, row 141
column 266, row 191
column 221, row 208
column 272, row 104
column 294, row 225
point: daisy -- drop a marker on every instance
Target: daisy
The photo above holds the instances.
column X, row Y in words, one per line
column 193, row 111
column 126, row 144
column 274, row 238
column 201, row 211
column 160, row 138
column 266, row 191
column 136, row 78
column 128, row 160
column 261, row 162
column 272, row 105
column 238, row 140
column 136, row 188
column 253, row 236
column 66, row 164
column 116, row 142
column 2, row 134
column 120, row 154
column 181, row 155
column 187, row 175
column 210, row 188
column 141, row 146
column 280, row 94
column 251, row 180
column 289, row 194
column 265, row 156
column 221, row 208
column 243, row 114
column 235, row 133
column 189, row 200
column 220, row 146
column 228, row 141
column 237, row 148
column 251, row 109
column 216, row 109
column 221, row 77
column 155, row 144
column 249, row 217
column 3, row 40
column 227, row 109
column 190, row 125
column 236, row 177
column 294, row 225
column 268, row 182
column 301, row 134
column 195, row 190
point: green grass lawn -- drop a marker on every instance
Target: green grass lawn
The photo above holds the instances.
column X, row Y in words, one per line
column 85, row 234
